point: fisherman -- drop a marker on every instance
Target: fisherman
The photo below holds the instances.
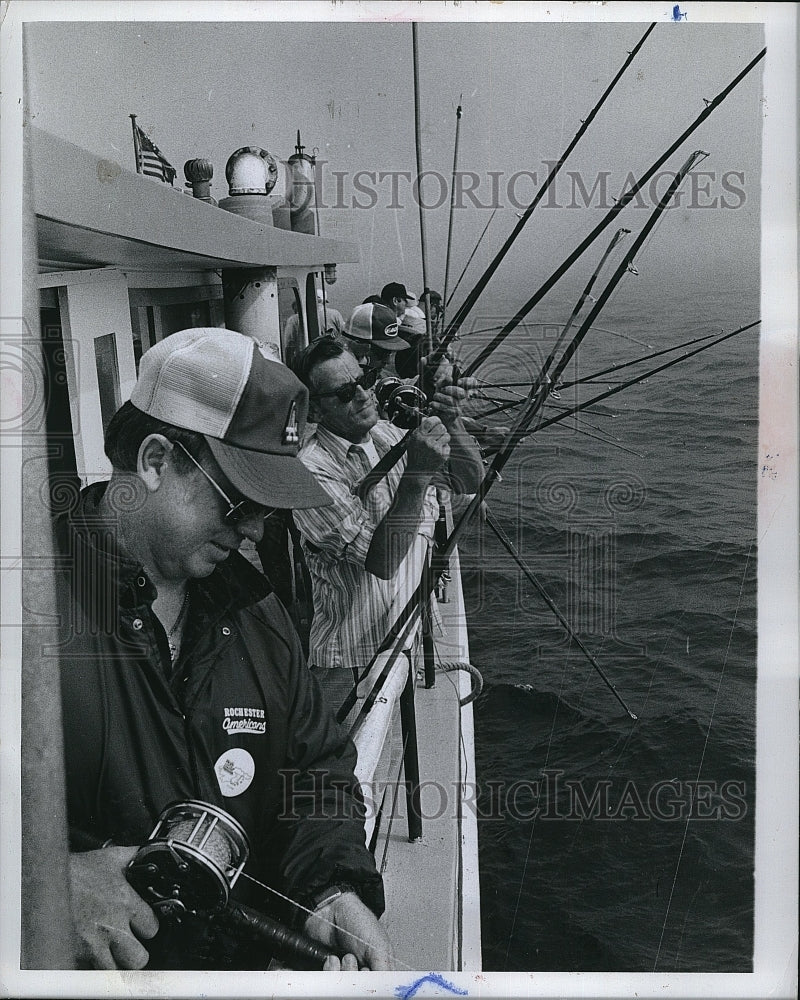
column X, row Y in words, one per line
column 366, row 558
column 396, row 297
column 430, row 303
column 372, row 337
column 171, row 635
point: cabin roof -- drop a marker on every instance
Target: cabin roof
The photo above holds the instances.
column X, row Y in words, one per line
column 90, row 212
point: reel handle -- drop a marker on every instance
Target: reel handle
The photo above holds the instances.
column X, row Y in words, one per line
column 302, row 951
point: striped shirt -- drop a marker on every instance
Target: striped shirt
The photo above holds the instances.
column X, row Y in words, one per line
column 353, row 610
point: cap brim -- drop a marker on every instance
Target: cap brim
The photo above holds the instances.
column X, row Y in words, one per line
column 273, row 480
column 391, row 344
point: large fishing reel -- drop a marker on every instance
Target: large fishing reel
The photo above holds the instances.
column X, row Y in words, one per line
column 189, row 865
column 190, row 861
column 402, row 404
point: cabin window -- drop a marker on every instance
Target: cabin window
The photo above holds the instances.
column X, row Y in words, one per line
column 311, row 307
column 158, row 312
column 61, row 460
column 290, row 312
column 107, row 362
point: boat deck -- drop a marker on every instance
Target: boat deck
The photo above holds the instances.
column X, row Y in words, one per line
column 432, row 889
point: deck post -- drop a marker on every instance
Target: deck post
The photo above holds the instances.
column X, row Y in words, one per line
column 408, row 726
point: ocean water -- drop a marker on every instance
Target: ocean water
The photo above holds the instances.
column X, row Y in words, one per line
column 608, row 844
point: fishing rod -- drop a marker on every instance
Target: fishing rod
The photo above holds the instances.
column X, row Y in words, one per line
column 586, row 404
column 405, row 394
column 640, row 378
column 623, row 268
column 627, row 364
column 418, row 145
column 519, row 433
column 450, row 221
column 406, row 620
column 447, row 301
column 432, row 363
column 509, row 546
column 439, row 352
column 472, row 297
column 586, row 293
column 619, row 235
column 508, row 404
column 622, row 203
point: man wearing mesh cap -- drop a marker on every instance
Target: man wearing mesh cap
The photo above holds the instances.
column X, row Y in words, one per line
column 182, row 679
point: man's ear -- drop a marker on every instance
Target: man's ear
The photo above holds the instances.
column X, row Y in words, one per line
column 314, row 414
column 153, row 460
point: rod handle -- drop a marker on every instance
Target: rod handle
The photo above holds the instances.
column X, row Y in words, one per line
column 304, row 952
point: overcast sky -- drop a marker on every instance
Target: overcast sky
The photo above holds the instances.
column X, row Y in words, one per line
column 205, row 89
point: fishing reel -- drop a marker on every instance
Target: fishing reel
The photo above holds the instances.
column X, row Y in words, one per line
column 191, row 860
column 401, row 403
column 188, row 866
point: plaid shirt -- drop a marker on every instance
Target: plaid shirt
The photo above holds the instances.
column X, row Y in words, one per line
column 353, row 610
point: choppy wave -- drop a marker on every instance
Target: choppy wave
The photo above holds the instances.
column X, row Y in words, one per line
column 652, row 558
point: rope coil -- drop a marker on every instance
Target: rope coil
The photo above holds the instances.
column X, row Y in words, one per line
column 451, row 666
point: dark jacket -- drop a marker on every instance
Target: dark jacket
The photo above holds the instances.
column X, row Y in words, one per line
column 137, row 739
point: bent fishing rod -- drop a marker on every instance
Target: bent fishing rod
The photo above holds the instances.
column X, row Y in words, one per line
column 622, row 203
column 400, row 631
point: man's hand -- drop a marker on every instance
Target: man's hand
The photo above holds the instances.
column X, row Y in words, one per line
column 110, row 917
column 347, row 924
column 429, row 447
column 449, row 398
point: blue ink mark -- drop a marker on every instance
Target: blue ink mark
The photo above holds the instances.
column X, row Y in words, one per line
column 676, row 14
column 404, row 992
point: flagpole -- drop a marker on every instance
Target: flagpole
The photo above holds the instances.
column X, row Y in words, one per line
column 136, row 150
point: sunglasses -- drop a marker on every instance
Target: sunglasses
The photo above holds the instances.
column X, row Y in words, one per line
column 347, row 393
column 243, row 510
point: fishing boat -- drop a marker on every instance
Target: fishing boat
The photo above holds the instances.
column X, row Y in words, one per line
column 124, row 261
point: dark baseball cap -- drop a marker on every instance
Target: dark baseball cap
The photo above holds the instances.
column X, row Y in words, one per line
column 394, row 290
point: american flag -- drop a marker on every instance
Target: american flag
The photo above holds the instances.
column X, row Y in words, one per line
column 149, row 158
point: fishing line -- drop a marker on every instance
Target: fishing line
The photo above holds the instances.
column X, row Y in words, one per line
column 395, row 801
column 311, row 913
column 469, row 261
column 635, row 361
column 703, row 753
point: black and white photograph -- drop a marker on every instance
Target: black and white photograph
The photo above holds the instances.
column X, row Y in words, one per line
column 399, row 523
